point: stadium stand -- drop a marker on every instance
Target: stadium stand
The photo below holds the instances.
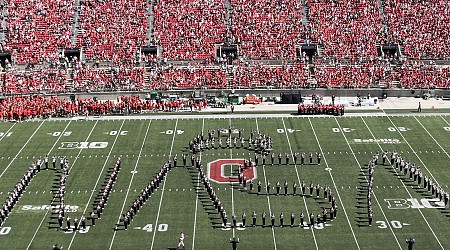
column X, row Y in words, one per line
column 268, row 29
column 187, row 34
column 420, row 75
column 423, row 27
column 185, row 78
column 38, row 29
column 260, row 75
column 189, row 29
column 346, row 29
column 112, row 30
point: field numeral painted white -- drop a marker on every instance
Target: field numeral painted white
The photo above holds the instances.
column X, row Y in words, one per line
column 4, row 230
column 400, row 129
column 345, row 130
column 289, row 130
column 395, row 224
column 239, row 226
column 316, row 226
column 80, row 230
column 170, row 132
column 83, row 145
column 161, row 227
column 5, row 134
column 57, row 133
column 445, row 128
column 114, row 132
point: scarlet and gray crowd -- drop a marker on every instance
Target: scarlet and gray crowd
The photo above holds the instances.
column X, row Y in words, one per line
column 28, row 107
column 263, row 29
column 320, row 109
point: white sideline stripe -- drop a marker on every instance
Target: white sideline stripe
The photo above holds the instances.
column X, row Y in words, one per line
column 196, row 200
column 131, row 181
column 268, row 200
column 163, row 188
column 98, row 179
column 45, row 215
column 232, row 188
column 215, row 116
column 365, row 177
column 24, row 145
column 423, row 164
column 298, row 178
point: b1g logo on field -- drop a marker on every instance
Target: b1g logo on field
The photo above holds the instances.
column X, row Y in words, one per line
column 218, row 169
column 414, row 203
column 83, row 145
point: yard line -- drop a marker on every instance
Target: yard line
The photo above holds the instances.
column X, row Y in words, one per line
column 98, row 179
column 413, row 151
column 445, row 152
column 232, row 188
column 76, row 158
column 24, row 145
column 196, row 200
column 163, row 187
column 131, row 181
column 298, row 178
column 365, row 177
column 4, row 135
column 268, row 200
column 406, row 188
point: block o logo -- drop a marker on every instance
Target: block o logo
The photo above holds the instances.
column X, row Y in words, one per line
column 226, row 171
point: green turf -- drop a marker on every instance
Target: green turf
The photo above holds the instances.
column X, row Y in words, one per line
column 176, row 206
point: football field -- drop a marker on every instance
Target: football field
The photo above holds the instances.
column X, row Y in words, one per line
column 181, row 204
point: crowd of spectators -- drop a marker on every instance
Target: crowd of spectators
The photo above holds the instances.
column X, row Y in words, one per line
column 422, row 26
column 40, row 79
column 420, row 75
column 267, row 29
column 112, row 30
column 189, row 29
column 346, row 29
column 190, row 77
column 87, row 78
column 262, row 75
column 351, row 75
column 37, row 29
column 28, row 107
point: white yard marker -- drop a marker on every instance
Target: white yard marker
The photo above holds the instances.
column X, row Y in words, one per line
column 45, row 215
column 232, row 188
column 24, row 145
column 7, row 132
column 163, row 187
column 131, row 181
column 365, row 177
column 298, row 178
column 403, row 184
column 98, row 179
column 268, row 199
